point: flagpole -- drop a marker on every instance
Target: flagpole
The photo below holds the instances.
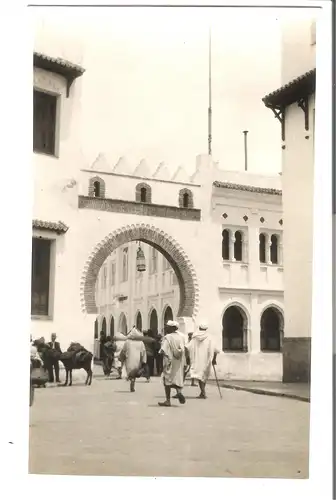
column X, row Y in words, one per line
column 210, row 101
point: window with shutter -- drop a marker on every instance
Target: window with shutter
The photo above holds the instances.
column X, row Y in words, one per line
column 44, row 122
column 40, row 278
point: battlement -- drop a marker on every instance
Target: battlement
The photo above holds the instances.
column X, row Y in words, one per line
column 142, row 170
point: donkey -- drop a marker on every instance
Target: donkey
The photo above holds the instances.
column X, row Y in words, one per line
column 75, row 358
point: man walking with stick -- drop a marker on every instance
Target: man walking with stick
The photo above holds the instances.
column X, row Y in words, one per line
column 203, row 354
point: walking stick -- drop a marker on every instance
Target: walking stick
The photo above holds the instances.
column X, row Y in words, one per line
column 217, row 382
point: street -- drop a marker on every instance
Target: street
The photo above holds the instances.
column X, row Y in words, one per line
column 106, row 430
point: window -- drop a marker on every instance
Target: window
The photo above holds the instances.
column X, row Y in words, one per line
column 234, row 332
column 124, row 276
column 153, row 262
column 45, row 106
column 40, row 277
column 271, row 330
column 225, row 244
column 238, row 246
column 143, row 195
column 262, row 248
column 104, row 277
column 274, row 249
column 113, row 272
column 96, row 189
column 186, row 199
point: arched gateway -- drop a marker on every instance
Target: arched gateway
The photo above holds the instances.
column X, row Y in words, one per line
column 173, row 252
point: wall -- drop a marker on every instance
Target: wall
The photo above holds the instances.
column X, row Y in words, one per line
column 298, row 176
column 298, row 46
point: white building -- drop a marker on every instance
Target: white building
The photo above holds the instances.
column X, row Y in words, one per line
column 220, row 231
column 294, row 103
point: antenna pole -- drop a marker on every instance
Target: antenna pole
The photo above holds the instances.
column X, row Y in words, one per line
column 245, row 148
column 210, row 101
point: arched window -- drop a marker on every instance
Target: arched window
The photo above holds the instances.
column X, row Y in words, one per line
column 234, row 332
column 103, row 327
column 168, row 315
column 96, row 189
column 271, row 330
column 138, row 321
column 124, row 274
column 123, row 324
column 238, row 246
column 112, row 326
column 186, row 199
column 262, row 247
column 225, row 244
column 153, row 321
column 143, row 193
column 274, row 249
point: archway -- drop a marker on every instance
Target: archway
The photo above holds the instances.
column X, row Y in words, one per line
column 271, row 330
column 167, row 315
column 123, row 324
column 112, row 326
column 153, row 321
column 138, row 321
column 234, row 332
column 172, row 251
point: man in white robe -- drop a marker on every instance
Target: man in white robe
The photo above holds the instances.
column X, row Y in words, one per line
column 172, row 348
column 203, row 354
column 133, row 354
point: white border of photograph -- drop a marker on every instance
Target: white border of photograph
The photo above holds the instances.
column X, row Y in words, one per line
column 16, row 201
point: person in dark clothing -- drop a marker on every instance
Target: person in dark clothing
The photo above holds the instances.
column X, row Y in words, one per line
column 103, row 354
column 150, row 352
column 53, row 363
column 109, row 348
column 158, row 356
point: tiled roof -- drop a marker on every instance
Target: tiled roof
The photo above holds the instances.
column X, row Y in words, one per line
column 67, row 66
column 291, row 92
column 58, row 227
column 59, row 66
column 252, row 189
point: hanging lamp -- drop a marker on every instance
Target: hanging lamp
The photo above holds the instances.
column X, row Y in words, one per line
column 140, row 260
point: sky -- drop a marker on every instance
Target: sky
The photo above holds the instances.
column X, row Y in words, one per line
column 145, row 89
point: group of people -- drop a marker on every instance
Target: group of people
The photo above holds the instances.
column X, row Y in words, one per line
column 53, row 364
column 111, row 346
column 136, row 351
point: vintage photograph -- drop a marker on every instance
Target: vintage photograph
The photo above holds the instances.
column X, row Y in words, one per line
column 172, row 241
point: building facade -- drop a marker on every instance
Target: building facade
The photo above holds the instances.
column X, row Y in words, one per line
column 220, row 234
column 294, row 104
column 127, row 297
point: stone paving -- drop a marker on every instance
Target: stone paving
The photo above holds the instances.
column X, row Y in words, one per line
column 106, row 430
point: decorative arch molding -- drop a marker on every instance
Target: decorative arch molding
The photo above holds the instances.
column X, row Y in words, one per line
column 102, row 188
column 164, row 311
column 275, row 305
column 241, row 306
column 138, row 191
column 164, row 243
